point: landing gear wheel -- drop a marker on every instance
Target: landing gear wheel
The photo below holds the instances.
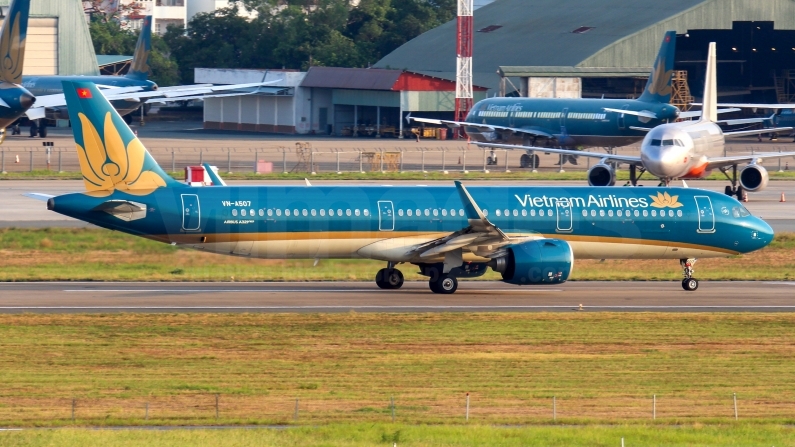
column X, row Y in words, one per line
column 394, row 279
column 528, row 161
column 729, row 191
column 690, row 284
column 741, row 194
column 128, row 118
column 34, row 129
column 444, row 285
column 389, row 279
column 43, row 130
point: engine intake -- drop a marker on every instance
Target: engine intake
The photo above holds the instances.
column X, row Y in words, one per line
column 542, row 261
column 753, row 178
column 601, row 175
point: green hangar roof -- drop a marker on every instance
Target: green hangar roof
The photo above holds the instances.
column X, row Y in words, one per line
column 58, row 39
column 543, row 37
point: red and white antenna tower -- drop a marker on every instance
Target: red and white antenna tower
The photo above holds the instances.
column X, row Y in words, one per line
column 463, row 63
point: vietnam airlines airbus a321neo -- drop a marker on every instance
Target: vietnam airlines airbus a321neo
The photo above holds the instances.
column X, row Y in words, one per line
column 531, row 235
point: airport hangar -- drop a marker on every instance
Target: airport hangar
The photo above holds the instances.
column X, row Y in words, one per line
column 327, row 100
column 59, row 42
column 571, row 48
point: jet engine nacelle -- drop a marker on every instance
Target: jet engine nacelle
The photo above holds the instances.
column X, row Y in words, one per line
column 541, row 261
column 753, row 178
column 602, row 175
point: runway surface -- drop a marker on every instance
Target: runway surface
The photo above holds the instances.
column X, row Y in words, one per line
column 22, row 212
column 324, row 297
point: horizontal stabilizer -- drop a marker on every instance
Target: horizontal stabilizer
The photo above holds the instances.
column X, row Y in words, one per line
column 642, row 113
column 38, row 196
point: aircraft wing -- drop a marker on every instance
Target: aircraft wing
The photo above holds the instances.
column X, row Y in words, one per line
column 481, row 237
column 606, row 157
column 741, row 133
column 176, row 93
column 753, row 106
column 720, row 162
column 697, row 113
column 482, row 127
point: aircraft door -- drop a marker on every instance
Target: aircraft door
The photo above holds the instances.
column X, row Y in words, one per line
column 564, row 217
column 563, row 116
column 621, row 118
column 191, row 212
column 706, row 216
column 386, row 215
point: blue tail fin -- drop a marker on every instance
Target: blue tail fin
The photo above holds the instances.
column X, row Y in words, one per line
column 12, row 41
column 111, row 156
column 658, row 87
column 139, row 68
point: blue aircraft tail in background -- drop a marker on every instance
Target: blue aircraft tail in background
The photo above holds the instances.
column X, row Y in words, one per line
column 111, row 156
column 139, row 68
column 12, row 43
column 658, row 87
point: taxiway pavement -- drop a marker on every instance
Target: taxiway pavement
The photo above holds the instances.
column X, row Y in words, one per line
column 326, row 297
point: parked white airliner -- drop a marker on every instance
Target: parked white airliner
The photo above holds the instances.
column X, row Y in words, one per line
column 683, row 150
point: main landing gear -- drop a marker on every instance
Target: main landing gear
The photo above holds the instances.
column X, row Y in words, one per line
column 735, row 189
column 688, row 283
column 389, row 278
column 443, row 283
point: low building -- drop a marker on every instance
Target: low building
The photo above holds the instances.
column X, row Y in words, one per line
column 328, row 100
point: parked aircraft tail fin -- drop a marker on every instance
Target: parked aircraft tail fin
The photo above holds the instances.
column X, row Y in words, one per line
column 12, row 41
column 658, row 87
column 111, row 155
column 709, row 103
column 139, row 67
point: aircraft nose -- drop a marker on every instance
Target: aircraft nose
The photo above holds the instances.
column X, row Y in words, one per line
column 762, row 233
column 663, row 161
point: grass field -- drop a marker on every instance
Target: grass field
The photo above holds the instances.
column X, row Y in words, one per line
column 344, row 435
column 101, row 255
column 497, row 174
column 344, row 368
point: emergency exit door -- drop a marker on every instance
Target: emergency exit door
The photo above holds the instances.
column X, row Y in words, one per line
column 191, row 213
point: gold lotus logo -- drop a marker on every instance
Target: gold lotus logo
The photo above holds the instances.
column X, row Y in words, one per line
column 658, row 84
column 109, row 165
column 665, row 200
column 12, row 50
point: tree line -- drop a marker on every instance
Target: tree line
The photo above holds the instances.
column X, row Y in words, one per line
column 293, row 34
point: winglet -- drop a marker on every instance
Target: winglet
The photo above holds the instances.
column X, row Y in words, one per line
column 709, row 107
column 470, row 207
column 307, row 182
column 217, row 181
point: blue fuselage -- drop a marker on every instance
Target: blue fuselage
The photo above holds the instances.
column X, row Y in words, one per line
column 341, row 222
column 572, row 122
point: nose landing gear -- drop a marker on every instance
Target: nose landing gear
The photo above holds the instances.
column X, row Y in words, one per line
column 688, row 283
column 389, row 278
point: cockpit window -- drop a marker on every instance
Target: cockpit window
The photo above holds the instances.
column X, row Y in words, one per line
column 655, row 142
column 679, row 143
column 740, row 211
column 668, row 142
